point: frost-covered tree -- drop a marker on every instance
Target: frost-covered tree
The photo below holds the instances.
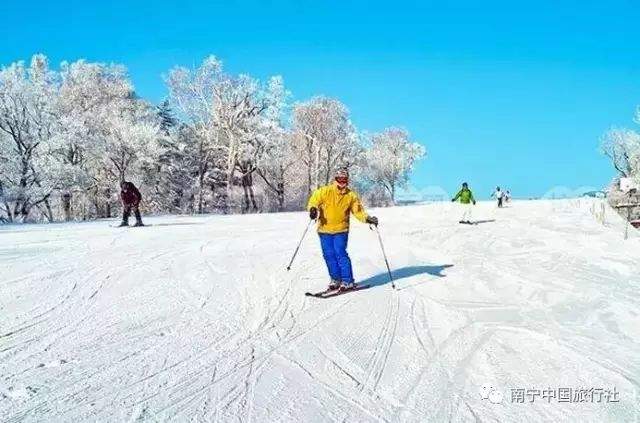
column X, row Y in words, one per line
column 390, row 158
column 622, row 146
column 129, row 135
column 250, row 129
column 325, row 138
column 167, row 118
column 195, row 94
column 163, row 178
column 27, row 122
column 277, row 167
column 266, row 148
column 175, row 182
column 226, row 113
column 89, row 93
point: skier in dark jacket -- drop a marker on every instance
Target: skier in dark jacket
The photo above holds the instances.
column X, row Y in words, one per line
column 131, row 198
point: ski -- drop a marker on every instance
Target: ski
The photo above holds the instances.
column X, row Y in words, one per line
column 330, row 293
column 320, row 294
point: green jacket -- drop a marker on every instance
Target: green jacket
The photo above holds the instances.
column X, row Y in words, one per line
column 465, row 195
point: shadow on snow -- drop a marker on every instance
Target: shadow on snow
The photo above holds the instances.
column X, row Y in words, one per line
column 405, row 272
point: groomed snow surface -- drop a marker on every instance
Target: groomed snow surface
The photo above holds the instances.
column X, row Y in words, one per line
column 196, row 319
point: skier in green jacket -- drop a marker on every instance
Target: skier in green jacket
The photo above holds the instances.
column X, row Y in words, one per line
column 466, row 200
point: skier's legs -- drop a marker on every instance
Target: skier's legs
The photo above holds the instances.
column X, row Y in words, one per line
column 136, row 212
column 328, row 252
column 466, row 213
column 500, row 202
column 126, row 212
column 344, row 262
column 465, row 210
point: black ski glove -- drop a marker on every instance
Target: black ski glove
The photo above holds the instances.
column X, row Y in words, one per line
column 372, row 220
column 474, row 202
column 313, row 213
column 453, row 199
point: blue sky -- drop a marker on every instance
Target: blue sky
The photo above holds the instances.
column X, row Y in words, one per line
column 500, row 92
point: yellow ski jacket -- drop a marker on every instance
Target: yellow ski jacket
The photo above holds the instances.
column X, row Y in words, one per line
column 334, row 206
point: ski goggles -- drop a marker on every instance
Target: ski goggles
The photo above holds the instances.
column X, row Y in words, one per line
column 342, row 179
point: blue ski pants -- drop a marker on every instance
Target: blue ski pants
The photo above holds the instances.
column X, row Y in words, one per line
column 334, row 251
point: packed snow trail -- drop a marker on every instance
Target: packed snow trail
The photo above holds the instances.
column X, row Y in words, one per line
column 196, row 319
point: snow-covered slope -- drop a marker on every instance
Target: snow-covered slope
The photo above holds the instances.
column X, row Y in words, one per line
column 196, row 319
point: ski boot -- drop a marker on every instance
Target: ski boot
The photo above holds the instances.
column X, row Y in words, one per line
column 347, row 286
column 334, row 284
column 138, row 223
column 123, row 224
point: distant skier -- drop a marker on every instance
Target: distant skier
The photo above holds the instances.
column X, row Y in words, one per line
column 507, row 196
column 131, row 198
column 499, row 195
column 332, row 205
column 466, row 199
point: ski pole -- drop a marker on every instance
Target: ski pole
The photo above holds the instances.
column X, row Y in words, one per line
column 393, row 285
column 299, row 244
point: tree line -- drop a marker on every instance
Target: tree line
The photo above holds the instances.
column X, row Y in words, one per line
column 219, row 143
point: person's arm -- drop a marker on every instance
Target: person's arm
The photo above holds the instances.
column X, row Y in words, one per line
column 473, row 200
column 315, row 201
column 457, row 196
column 137, row 193
column 358, row 210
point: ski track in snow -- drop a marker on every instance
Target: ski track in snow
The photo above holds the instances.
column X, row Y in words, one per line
column 196, row 318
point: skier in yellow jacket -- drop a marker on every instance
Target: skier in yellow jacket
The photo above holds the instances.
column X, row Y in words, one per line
column 332, row 206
